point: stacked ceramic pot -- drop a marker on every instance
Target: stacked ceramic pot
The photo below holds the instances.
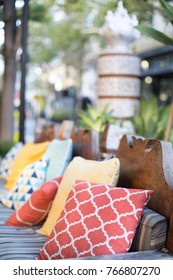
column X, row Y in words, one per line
column 118, row 67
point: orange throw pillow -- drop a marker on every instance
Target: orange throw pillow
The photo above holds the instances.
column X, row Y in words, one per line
column 35, row 210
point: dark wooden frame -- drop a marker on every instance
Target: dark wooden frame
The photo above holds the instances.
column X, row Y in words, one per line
column 148, row 164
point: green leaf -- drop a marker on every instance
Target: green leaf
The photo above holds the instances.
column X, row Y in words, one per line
column 152, row 119
column 155, row 34
column 137, row 121
column 168, row 9
column 94, row 114
column 86, row 120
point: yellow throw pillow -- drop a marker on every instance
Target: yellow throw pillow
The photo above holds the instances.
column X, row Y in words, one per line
column 103, row 172
column 30, row 153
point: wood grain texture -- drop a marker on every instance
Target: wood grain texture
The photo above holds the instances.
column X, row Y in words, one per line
column 85, row 143
column 145, row 164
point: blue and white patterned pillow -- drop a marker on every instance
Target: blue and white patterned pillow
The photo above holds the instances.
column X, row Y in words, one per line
column 8, row 160
column 30, row 179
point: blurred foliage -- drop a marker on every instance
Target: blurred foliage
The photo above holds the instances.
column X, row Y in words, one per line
column 152, row 119
column 56, row 27
column 61, row 114
column 95, row 119
column 38, row 12
column 5, row 146
column 16, row 121
column 167, row 11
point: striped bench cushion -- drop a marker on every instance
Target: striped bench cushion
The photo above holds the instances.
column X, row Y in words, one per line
column 18, row 243
column 151, row 232
column 24, row 243
column 4, row 211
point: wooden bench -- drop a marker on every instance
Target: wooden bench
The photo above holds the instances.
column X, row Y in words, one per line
column 148, row 164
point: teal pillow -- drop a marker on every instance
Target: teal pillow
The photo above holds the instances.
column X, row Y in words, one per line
column 59, row 154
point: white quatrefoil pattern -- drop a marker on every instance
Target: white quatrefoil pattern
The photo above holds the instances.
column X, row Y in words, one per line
column 97, row 220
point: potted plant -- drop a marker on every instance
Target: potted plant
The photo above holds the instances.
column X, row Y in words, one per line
column 152, row 119
column 95, row 119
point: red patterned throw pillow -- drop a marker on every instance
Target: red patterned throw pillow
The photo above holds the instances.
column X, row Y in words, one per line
column 35, row 210
column 97, row 220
